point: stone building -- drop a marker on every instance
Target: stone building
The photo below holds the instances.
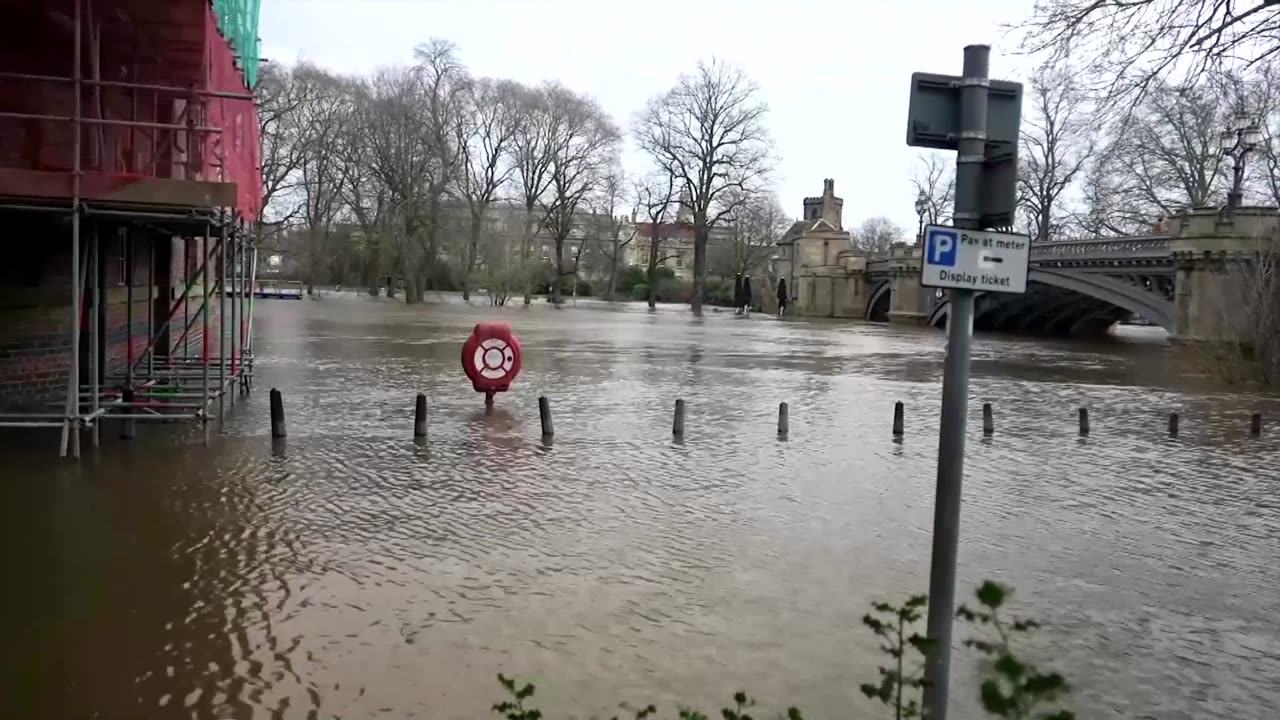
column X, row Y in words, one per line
column 824, row 272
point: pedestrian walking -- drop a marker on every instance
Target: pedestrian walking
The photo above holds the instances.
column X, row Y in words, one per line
column 782, row 297
column 746, row 295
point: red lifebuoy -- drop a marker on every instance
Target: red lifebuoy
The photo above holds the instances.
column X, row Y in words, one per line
column 491, row 357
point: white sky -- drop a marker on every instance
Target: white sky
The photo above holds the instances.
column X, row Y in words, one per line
column 835, row 74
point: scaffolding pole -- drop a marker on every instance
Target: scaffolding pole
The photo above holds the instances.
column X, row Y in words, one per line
column 204, row 311
column 95, row 330
column 222, row 317
column 70, row 426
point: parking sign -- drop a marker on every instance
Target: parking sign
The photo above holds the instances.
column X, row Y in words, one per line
column 975, row 260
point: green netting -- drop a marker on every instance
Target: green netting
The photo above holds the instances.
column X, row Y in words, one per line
column 238, row 23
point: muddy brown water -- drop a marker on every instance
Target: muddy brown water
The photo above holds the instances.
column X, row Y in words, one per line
column 354, row 573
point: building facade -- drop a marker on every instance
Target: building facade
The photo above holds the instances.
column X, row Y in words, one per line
column 823, row 270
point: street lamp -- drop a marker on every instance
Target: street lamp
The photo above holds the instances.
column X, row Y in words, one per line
column 922, row 205
column 1243, row 138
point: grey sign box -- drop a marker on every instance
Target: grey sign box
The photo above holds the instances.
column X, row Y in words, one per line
column 933, row 116
column 999, row 188
column 971, row 262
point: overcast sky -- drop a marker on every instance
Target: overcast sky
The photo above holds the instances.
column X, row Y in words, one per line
column 836, row 74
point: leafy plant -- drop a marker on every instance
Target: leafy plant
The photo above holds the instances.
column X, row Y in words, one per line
column 895, row 628
column 514, row 709
column 1013, row 687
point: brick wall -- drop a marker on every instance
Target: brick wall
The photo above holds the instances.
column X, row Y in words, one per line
column 35, row 310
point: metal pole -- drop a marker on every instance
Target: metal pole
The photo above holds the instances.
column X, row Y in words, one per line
column 235, row 305
column 955, row 390
column 95, row 330
column 222, row 315
column 151, row 304
column 186, row 265
column 127, row 239
column 71, row 427
column 204, row 322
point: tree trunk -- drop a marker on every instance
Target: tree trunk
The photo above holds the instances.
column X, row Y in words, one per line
column 526, row 242
column 473, row 247
column 651, row 276
column 613, row 276
column 559, row 273
column 699, row 261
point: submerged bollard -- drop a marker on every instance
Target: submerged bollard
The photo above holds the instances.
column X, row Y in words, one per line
column 899, row 412
column 784, row 421
column 420, row 416
column 677, row 425
column 544, row 414
column 1255, row 425
column 129, row 429
column 1173, row 424
column 277, row 415
column 988, row 420
column 1084, row 421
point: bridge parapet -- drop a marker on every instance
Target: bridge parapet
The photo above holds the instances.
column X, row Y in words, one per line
column 1143, row 250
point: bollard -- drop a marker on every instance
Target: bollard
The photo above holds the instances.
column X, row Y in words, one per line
column 1255, row 425
column 544, row 414
column 1173, row 424
column 420, row 416
column 129, row 429
column 899, row 410
column 677, row 425
column 784, row 421
column 1084, row 421
column 277, row 415
column 988, row 420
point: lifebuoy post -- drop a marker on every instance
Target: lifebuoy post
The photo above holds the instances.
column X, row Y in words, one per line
column 491, row 358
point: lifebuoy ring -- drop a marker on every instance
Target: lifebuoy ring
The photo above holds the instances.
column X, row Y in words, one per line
column 494, row 359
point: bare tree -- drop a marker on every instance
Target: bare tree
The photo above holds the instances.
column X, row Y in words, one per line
column 583, row 146
column 532, row 150
column 321, row 120
column 1129, row 46
column 877, row 234
column 935, row 179
column 708, row 133
column 486, row 136
column 657, row 196
column 1169, row 150
column 1102, row 211
column 1056, row 144
column 753, row 230
column 610, row 229
column 280, row 96
column 445, row 84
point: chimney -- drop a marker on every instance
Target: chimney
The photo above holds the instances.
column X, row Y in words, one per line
column 828, row 187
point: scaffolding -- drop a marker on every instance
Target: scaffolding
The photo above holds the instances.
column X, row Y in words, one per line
column 181, row 194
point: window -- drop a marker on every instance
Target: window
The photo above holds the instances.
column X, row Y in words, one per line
column 679, row 261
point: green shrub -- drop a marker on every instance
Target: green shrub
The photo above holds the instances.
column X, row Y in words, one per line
column 639, row 291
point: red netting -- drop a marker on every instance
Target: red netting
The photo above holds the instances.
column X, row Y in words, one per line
column 239, row 144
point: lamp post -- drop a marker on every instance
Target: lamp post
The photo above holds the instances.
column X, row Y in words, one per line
column 1237, row 142
column 922, row 206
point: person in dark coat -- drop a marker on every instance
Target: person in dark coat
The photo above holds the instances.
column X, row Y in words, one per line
column 782, row 296
column 746, row 295
column 737, row 293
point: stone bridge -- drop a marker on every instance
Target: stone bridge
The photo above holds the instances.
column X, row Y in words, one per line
column 1192, row 281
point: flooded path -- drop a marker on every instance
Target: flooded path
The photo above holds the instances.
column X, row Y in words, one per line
column 353, row 573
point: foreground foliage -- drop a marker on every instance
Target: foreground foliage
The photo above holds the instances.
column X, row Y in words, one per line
column 1011, row 686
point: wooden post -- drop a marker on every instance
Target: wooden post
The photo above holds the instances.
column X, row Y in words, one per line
column 1255, row 425
column 784, row 420
column 420, row 416
column 1173, row 424
column 899, row 412
column 1084, row 422
column 988, row 420
column 277, row 415
column 544, row 414
column 677, row 425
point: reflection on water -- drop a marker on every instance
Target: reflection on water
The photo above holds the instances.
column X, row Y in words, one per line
column 355, row 573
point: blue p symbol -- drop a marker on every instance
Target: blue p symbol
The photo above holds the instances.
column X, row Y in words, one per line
column 940, row 247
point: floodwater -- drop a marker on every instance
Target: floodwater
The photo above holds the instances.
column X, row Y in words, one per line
column 354, row 573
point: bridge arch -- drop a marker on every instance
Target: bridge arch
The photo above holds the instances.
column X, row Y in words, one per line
column 1065, row 302
column 880, row 302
